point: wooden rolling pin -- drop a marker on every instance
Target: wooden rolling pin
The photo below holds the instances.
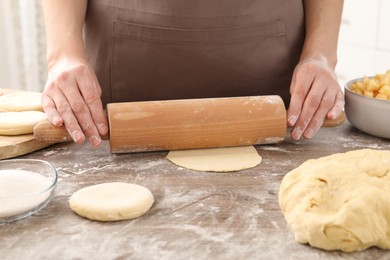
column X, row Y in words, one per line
column 187, row 124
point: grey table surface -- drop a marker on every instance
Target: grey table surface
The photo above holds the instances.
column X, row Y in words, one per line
column 196, row 215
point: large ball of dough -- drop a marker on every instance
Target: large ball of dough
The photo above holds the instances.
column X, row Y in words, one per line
column 340, row 202
column 111, row 201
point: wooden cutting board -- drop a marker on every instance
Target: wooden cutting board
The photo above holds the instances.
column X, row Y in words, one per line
column 13, row 146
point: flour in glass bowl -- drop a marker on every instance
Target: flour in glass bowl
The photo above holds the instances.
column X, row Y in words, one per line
column 21, row 191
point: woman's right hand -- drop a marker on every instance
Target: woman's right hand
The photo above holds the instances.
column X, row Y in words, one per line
column 72, row 98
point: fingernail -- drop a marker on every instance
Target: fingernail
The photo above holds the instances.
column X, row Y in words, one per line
column 309, row 133
column 102, row 129
column 332, row 115
column 297, row 133
column 95, row 141
column 57, row 121
column 77, row 136
column 292, row 120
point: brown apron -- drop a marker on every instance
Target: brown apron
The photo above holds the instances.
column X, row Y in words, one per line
column 175, row 49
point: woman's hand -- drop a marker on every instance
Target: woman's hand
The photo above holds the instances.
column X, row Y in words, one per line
column 72, row 98
column 315, row 96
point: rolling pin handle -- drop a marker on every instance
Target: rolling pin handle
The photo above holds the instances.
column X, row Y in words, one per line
column 47, row 132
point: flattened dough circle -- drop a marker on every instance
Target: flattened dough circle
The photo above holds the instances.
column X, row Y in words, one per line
column 226, row 159
column 111, row 201
column 21, row 101
column 4, row 91
column 19, row 123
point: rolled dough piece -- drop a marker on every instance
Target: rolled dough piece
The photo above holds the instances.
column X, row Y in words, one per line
column 226, row 159
column 111, row 201
column 341, row 201
column 18, row 123
column 21, row 101
column 4, row 91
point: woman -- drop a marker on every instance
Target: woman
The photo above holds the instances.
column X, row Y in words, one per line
column 153, row 50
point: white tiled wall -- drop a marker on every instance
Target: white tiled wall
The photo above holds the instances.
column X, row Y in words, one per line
column 384, row 26
column 364, row 42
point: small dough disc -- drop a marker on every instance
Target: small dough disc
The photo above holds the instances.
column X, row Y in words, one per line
column 21, row 101
column 19, row 123
column 226, row 159
column 111, row 201
column 341, row 201
column 4, row 91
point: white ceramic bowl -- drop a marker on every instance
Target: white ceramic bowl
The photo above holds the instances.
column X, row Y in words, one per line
column 27, row 185
column 370, row 115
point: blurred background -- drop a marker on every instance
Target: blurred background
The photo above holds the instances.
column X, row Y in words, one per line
column 364, row 43
column 22, row 45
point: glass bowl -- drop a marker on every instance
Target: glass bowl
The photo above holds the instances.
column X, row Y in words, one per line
column 26, row 186
column 369, row 115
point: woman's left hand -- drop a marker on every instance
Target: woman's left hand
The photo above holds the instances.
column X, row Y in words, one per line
column 315, row 96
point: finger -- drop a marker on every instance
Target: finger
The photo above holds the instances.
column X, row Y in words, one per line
column 91, row 94
column 318, row 118
column 50, row 110
column 312, row 103
column 304, row 118
column 70, row 121
column 300, row 87
column 295, row 103
column 338, row 106
column 80, row 110
column 293, row 81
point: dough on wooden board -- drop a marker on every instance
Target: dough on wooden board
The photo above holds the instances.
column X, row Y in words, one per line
column 19, row 123
column 4, row 91
column 21, row 101
column 111, row 201
column 226, row 159
column 341, row 201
